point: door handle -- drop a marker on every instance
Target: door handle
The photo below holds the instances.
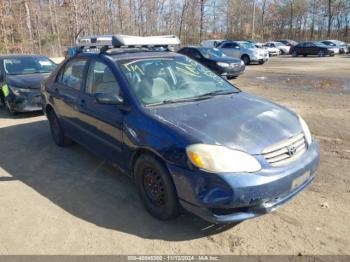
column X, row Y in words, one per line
column 82, row 102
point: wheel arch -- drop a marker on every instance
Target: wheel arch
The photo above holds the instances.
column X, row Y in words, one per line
column 140, row 151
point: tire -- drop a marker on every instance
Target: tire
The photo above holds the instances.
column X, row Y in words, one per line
column 57, row 132
column 156, row 188
column 2, row 100
column 281, row 52
column 261, row 62
column 304, row 55
column 294, row 53
column 246, row 59
column 321, row 53
column 9, row 110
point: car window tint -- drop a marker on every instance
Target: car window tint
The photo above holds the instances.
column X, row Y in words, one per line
column 72, row 74
column 194, row 53
column 100, row 79
column 228, row 45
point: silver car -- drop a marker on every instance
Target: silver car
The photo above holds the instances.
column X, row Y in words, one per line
column 247, row 51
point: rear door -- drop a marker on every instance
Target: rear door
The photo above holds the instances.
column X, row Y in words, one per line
column 66, row 93
column 102, row 123
column 231, row 49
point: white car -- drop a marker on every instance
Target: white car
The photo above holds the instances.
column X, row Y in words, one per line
column 284, row 49
column 273, row 51
column 246, row 51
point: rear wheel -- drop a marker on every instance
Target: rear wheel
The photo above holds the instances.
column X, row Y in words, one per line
column 57, row 131
column 156, row 188
column 294, row 53
column 246, row 59
column 321, row 53
column 261, row 62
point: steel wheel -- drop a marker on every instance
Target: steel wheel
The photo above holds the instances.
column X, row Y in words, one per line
column 154, row 187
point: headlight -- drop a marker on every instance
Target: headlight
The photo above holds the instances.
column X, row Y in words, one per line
column 214, row 158
column 306, row 130
column 17, row 90
column 221, row 64
column 242, row 63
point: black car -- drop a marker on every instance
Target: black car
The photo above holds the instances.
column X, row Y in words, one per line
column 215, row 60
column 20, row 78
column 311, row 48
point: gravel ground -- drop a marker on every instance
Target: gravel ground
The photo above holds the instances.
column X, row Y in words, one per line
column 67, row 201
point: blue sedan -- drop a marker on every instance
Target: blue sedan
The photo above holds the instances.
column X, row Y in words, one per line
column 186, row 136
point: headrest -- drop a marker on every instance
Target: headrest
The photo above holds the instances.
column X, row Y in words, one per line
column 108, row 75
column 77, row 70
column 152, row 70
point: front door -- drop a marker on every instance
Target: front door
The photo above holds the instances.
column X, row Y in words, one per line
column 102, row 123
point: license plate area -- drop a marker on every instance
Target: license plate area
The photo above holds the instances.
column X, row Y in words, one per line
column 300, row 180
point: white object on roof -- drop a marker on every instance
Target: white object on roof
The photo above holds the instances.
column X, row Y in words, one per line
column 126, row 40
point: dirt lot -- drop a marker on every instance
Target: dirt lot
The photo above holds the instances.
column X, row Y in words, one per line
column 67, row 201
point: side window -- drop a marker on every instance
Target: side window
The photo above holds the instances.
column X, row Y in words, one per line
column 228, row 45
column 72, row 74
column 194, row 53
column 100, row 79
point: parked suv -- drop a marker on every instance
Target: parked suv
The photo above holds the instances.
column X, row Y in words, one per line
column 246, row 51
column 186, row 136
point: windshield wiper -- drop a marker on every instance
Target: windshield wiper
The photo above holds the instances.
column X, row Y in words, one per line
column 181, row 100
column 217, row 92
column 195, row 98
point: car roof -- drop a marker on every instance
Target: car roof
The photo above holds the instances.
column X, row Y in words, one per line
column 19, row 56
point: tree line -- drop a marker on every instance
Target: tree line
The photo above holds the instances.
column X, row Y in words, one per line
column 50, row 26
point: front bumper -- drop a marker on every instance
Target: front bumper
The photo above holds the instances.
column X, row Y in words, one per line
column 233, row 72
column 227, row 198
column 259, row 58
column 25, row 101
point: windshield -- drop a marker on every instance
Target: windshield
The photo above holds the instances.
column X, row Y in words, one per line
column 246, row 45
column 28, row 65
column 279, row 44
column 170, row 80
column 211, row 52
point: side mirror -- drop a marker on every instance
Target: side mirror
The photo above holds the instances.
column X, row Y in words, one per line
column 108, row 99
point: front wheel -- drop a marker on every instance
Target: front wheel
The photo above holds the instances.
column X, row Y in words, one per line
column 9, row 109
column 294, row 53
column 57, row 132
column 261, row 62
column 156, row 188
column 246, row 59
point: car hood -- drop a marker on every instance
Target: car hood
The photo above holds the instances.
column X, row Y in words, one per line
column 31, row 81
column 239, row 121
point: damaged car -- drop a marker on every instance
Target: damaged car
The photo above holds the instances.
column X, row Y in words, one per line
column 186, row 136
column 20, row 78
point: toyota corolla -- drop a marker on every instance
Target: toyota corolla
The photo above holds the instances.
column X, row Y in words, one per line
column 186, row 136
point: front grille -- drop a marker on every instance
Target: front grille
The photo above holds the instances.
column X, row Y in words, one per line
column 234, row 66
column 285, row 151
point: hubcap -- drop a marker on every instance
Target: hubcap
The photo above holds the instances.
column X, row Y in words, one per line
column 154, row 186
